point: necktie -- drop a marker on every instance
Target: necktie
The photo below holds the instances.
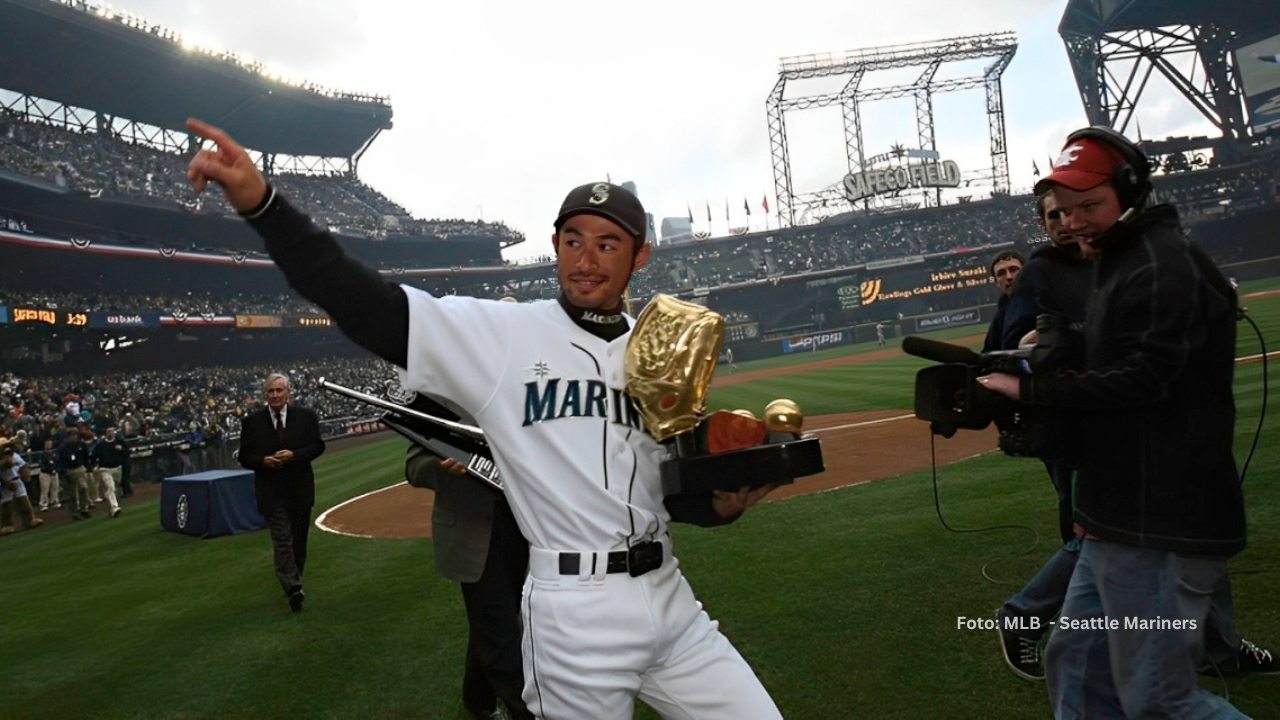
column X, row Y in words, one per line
column 279, row 427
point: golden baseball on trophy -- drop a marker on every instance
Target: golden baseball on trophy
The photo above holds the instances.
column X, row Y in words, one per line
column 745, row 413
column 783, row 415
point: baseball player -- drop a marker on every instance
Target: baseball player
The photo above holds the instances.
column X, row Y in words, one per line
column 608, row 616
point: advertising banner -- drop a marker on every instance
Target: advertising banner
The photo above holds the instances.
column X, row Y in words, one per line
column 940, row 320
column 197, row 319
column 816, row 341
column 109, row 320
column 259, row 321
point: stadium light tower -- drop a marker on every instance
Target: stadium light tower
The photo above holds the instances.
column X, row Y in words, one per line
column 854, row 65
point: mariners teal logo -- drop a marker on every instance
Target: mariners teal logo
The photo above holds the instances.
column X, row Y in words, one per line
column 183, row 510
column 558, row 398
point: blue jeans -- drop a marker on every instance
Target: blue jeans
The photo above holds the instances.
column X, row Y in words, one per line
column 1044, row 593
column 1133, row 673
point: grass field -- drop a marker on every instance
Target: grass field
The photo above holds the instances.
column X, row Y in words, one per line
column 845, row 602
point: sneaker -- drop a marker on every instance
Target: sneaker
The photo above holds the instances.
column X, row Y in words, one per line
column 7, row 530
column 116, row 512
column 295, row 600
column 1254, row 659
column 58, row 506
column 36, row 522
column 1021, row 654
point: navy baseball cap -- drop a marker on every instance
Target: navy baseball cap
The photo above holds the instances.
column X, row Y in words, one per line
column 608, row 201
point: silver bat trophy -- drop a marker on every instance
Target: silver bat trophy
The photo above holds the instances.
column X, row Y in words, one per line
column 446, row 438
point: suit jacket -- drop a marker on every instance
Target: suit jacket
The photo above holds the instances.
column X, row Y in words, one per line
column 294, row 485
column 462, row 518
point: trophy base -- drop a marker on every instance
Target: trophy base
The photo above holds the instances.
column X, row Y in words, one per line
column 753, row 467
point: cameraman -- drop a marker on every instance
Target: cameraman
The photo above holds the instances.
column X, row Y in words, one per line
column 1157, row 496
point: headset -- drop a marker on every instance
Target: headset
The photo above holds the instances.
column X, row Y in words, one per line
column 1132, row 179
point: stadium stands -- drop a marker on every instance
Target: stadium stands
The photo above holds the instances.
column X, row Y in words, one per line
column 101, row 166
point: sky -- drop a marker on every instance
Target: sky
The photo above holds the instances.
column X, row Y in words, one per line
column 501, row 107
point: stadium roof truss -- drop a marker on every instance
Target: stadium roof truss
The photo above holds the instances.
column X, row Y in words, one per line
column 1115, row 45
column 1112, row 70
column 143, row 81
column 86, row 121
column 930, row 56
column 117, row 128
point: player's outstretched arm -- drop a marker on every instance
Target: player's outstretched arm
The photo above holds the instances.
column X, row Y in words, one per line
column 369, row 310
column 228, row 165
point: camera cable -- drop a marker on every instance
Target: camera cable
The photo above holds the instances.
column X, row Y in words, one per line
column 937, row 506
column 1243, row 314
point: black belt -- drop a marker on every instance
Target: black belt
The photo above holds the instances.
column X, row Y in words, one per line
column 635, row 560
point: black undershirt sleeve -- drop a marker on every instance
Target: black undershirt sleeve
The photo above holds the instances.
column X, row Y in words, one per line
column 372, row 312
column 695, row 510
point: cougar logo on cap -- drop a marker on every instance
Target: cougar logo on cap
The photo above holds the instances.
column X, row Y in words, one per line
column 599, row 194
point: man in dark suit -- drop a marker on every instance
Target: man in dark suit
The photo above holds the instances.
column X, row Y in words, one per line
column 278, row 444
column 478, row 544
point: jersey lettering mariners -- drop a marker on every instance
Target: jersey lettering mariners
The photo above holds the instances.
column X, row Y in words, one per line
column 542, row 400
column 578, row 467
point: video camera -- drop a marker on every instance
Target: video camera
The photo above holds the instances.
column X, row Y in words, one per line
column 950, row 398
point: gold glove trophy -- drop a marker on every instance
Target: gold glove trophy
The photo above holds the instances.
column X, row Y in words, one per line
column 671, row 357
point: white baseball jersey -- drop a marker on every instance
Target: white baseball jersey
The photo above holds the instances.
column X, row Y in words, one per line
column 582, row 477
column 578, row 467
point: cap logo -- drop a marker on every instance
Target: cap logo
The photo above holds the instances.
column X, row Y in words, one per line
column 1068, row 155
column 599, row 194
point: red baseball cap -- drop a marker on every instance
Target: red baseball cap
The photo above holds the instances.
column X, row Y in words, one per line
column 1084, row 164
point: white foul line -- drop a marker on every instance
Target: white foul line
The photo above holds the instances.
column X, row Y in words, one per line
column 320, row 520
column 1257, row 356
column 864, row 423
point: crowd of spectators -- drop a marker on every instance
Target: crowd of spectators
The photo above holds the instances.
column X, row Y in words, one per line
column 184, row 301
column 846, row 241
column 1220, row 191
column 207, row 402
column 101, row 165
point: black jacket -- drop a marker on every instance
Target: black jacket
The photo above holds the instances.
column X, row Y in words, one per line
column 293, row 485
column 1156, row 463
column 72, row 454
column 1055, row 281
column 995, row 331
column 110, row 453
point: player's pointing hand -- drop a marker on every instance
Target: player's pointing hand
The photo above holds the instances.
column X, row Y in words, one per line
column 228, row 165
